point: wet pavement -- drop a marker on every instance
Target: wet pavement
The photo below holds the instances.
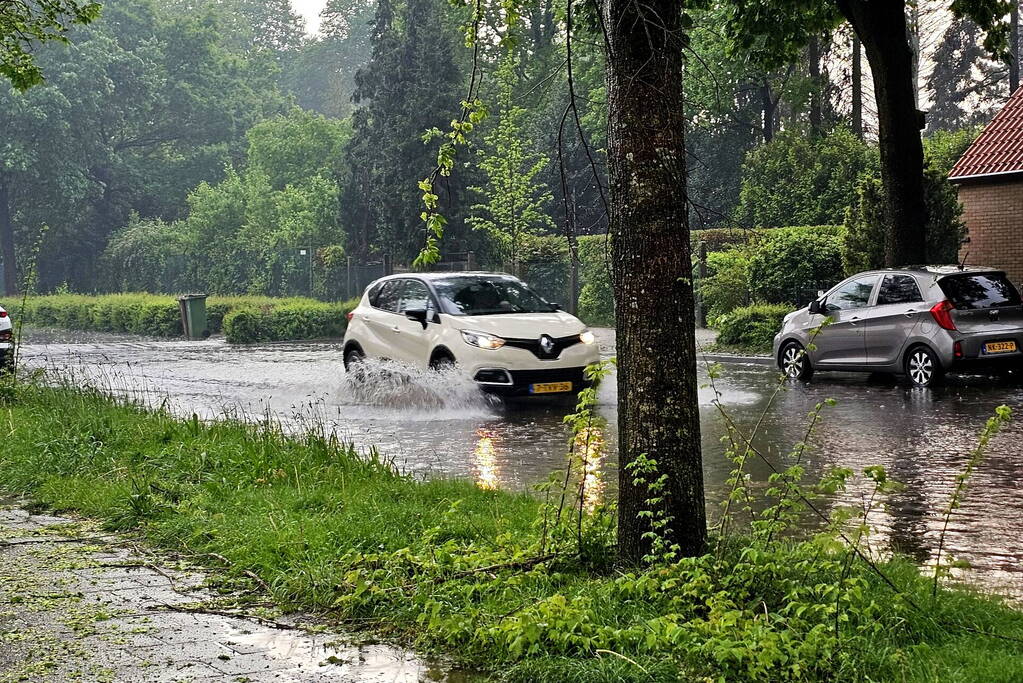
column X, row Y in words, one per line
column 441, row 426
column 79, row 604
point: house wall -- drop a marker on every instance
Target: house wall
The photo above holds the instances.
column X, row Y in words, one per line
column 993, row 212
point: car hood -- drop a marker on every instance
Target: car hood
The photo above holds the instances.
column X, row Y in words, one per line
column 521, row 325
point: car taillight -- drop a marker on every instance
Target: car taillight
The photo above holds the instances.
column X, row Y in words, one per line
column 3, row 314
column 349, row 315
column 6, row 335
column 943, row 316
column 957, row 349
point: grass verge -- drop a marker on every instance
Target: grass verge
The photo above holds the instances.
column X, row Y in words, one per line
column 453, row 568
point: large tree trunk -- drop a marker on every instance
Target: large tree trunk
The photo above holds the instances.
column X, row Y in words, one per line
column 1014, row 47
column 857, row 87
column 7, row 252
column 881, row 27
column 658, row 413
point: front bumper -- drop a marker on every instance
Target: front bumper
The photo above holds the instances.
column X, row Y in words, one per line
column 522, row 382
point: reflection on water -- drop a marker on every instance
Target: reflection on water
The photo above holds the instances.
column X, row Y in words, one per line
column 922, row 437
column 588, row 449
column 487, row 476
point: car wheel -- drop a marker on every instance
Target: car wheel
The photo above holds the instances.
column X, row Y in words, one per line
column 354, row 359
column 442, row 363
column 795, row 363
column 923, row 367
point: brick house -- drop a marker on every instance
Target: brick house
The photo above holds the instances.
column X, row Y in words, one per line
column 990, row 180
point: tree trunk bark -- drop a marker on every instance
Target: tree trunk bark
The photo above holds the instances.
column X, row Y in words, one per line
column 768, row 104
column 881, row 27
column 1014, row 47
column 857, row 87
column 813, row 58
column 7, row 252
column 658, row 413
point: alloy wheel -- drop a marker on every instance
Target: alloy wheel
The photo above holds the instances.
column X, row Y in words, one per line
column 793, row 360
column 921, row 367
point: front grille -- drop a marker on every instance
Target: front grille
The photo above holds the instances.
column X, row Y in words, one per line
column 533, row 346
column 527, row 377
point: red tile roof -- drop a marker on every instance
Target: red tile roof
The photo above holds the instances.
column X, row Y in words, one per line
column 999, row 149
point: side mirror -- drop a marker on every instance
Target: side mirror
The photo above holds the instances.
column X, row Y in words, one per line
column 816, row 306
column 417, row 314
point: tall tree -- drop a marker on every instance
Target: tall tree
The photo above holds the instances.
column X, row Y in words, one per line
column 24, row 24
column 773, row 30
column 658, row 411
column 413, row 45
column 515, row 202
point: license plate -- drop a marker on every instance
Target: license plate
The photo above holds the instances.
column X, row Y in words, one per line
column 1000, row 347
column 550, row 388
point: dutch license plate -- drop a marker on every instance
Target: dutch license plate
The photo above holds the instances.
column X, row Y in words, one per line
column 550, row 387
column 1000, row 347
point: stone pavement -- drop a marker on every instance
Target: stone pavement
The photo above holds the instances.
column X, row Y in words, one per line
column 81, row 604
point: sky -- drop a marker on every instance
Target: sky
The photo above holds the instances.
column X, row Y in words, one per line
column 310, row 11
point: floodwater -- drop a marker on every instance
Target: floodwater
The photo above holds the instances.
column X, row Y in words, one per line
column 434, row 425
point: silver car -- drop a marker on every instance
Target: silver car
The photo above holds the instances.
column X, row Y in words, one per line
column 918, row 321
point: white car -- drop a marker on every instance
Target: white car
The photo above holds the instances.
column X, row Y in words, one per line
column 490, row 325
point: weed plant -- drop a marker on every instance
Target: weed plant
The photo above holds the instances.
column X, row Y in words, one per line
column 522, row 586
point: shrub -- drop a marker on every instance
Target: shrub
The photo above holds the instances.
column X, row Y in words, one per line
column 719, row 239
column 288, row 320
column 789, row 264
column 803, row 179
column 751, row 328
column 726, row 286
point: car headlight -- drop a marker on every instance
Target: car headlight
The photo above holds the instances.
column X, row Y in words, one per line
column 586, row 337
column 482, row 340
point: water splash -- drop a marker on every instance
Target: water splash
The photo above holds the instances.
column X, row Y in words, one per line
column 390, row 384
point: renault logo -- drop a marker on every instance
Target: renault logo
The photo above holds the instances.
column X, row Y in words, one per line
column 546, row 344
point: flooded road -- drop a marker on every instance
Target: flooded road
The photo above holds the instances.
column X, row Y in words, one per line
column 441, row 426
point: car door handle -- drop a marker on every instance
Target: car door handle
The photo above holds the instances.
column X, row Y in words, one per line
column 396, row 329
column 910, row 313
column 852, row 321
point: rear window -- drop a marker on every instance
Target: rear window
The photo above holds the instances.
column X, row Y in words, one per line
column 990, row 290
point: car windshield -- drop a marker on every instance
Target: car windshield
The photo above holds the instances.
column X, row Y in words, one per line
column 488, row 296
column 988, row 290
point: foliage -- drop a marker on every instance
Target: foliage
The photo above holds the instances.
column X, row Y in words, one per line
column 412, row 45
column 453, row 567
column 139, row 109
column 247, row 233
column 596, row 296
column 866, row 223
column 751, row 329
column 727, row 285
column 789, row 264
column 287, row 320
column 514, row 200
column 23, row 24
column 801, row 179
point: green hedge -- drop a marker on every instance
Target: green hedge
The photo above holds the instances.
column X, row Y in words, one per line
column 291, row 320
column 788, row 265
column 751, row 329
column 155, row 315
